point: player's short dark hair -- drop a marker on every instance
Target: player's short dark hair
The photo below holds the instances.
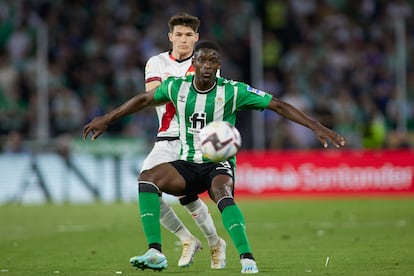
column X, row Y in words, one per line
column 208, row 44
column 184, row 19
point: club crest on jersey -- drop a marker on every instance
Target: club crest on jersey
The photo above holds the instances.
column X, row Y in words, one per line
column 219, row 101
column 256, row 91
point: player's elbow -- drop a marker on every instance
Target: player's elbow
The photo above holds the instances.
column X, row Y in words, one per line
column 277, row 106
column 146, row 100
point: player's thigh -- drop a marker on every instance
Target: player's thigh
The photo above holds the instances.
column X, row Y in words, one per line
column 162, row 152
column 166, row 178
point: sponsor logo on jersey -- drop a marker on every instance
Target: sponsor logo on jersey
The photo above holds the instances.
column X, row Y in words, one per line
column 256, row 91
column 181, row 98
column 197, row 121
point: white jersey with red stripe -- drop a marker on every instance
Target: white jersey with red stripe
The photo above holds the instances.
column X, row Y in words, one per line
column 159, row 68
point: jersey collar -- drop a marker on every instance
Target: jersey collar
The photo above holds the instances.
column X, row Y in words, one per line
column 203, row 91
column 178, row 60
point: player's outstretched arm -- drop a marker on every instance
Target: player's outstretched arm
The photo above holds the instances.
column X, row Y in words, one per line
column 99, row 124
column 323, row 133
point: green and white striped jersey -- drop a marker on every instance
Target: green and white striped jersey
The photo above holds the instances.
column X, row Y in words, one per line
column 195, row 109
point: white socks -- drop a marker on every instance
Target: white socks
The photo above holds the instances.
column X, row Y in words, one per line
column 199, row 211
column 170, row 221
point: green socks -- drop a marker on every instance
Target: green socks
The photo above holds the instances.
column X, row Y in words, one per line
column 233, row 221
column 149, row 206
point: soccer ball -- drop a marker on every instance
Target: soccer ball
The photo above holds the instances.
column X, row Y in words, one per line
column 219, row 140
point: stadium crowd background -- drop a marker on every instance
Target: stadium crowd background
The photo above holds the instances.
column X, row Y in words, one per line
column 333, row 59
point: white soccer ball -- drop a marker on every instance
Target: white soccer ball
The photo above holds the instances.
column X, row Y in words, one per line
column 219, row 140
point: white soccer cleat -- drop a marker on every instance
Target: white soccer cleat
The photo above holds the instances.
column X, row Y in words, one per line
column 249, row 266
column 190, row 248
column 218, row 255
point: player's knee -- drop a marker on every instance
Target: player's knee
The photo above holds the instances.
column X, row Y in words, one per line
column 146, row 176
column 221, row 186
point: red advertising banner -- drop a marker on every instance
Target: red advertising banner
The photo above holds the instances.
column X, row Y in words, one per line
column 325, row 172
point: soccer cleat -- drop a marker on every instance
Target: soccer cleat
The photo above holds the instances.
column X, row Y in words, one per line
column 190, row 248
column 218, row 255
column 249, row 266
column 152, row 259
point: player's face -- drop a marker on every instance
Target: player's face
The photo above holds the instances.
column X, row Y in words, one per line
column 183, row 39
column 206, row 63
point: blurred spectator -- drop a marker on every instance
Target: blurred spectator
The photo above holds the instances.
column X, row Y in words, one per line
column 347, row 117
column 66, row 111
column 373, row 125
column 12, row 103
column 20, row 43
column 299, row 136
column 8, row 74
column 271, row 50
column 15, row 144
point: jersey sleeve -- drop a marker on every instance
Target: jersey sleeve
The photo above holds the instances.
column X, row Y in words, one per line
column 152, row 69
column 161, row 93
column 252, row 98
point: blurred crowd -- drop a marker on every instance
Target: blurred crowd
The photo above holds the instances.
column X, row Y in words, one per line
column 336, row 60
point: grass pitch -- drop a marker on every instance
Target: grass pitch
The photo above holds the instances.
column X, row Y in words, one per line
column 370, row 236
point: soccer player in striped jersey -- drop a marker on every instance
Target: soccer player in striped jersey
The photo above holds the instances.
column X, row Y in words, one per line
column 198, row 100
column 177, row 62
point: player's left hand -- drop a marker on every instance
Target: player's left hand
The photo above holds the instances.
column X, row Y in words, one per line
column 326, row 135
column 97, row 126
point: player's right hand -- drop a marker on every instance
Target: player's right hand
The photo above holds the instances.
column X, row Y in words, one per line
column 97, row 126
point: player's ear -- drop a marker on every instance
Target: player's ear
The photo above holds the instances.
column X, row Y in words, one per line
column 197, row 36
column 170, row 36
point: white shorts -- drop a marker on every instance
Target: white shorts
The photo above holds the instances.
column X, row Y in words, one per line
column 162, row 152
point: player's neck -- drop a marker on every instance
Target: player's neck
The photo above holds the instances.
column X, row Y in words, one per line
column 180, row 56
column 203, row 87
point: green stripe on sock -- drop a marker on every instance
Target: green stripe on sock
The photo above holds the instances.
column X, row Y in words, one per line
column 149, row 206
column 233, row 221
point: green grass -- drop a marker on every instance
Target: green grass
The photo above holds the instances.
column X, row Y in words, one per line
column 368, row 236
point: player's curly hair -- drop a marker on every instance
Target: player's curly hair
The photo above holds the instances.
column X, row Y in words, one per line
column 184, row 19
column 208, row 44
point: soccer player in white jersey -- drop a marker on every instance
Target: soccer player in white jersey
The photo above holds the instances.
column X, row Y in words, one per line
column 198, row 100
column 177, row 62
